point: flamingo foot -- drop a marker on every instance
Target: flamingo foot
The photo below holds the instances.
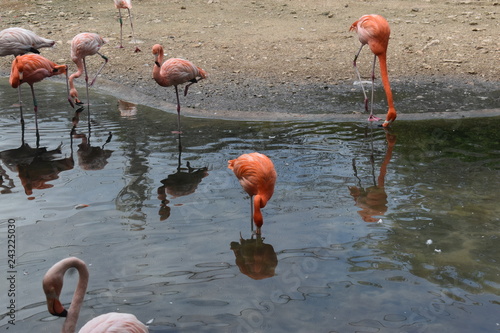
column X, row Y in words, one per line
column 176, row 132
column 373, row 118
column 137, row 49
column 120, row 47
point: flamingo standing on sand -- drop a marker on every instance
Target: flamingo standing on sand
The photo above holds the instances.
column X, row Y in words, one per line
column 32, row 68
column 125, row 4
column 257, row 176
column 19, row 41
column 110, row 322
column 83, row 45
column 374, row 31
column 174, row 72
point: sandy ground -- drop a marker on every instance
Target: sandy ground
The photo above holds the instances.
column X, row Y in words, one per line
column 269, row 58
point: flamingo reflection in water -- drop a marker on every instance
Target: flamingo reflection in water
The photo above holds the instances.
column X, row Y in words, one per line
column 255, row 258
column 183, row 182
column 36, row 166
column 373, row 199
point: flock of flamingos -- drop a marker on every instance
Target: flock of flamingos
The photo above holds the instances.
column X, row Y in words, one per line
column 255, row 171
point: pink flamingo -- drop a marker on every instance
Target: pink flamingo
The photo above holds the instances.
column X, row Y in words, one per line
column 110, row 322
column 374, row 31
column 32, row 68
column 257, row 176
column 83, row 45
column 173, row 72
column 126, row 4
column 19, row 41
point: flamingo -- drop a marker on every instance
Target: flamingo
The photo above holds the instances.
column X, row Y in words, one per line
column 173, row 72
column 32, row 68
column 83, row 45
column 125, row 4
column 257, row 176
column 374, row 31
column 110, row 322
column 19, row 41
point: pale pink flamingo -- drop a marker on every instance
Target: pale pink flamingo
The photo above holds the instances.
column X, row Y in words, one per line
column 32, row 68
column 110, row 322
column 19, row 41
column 174, row 72
column 257, row 176
column 126, row 4
column 374, row 31
column 83, row 45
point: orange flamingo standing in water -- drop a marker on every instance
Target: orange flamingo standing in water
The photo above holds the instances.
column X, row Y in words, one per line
column 374, row 31
column 257, row 176
column 18, row 41
column 83, row 45
column 125, row 4
column 32, row 68
column 110, row 322
column 174, row 72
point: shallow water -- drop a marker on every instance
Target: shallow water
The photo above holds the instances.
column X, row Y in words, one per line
column 367, row 230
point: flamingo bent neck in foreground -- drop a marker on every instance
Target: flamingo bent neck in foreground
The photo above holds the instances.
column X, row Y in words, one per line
column 174, row 72
column 374, row 31
column 125, row 4
column 257, row 176
column 110, row 322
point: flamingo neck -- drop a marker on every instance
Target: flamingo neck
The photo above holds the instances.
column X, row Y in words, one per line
column 78, row 296
column 385, row 79
column 161, row 80
column 258, row 203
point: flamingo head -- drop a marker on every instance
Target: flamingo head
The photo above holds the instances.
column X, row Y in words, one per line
column 391, row 116
column 52, row 287
column 158, row 53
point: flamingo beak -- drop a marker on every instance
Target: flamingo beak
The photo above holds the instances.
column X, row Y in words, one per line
column 55, row 307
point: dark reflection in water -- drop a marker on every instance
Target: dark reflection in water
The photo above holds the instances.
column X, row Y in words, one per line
column 183, row 182
column 373, row 199
column 430, row 265
column 35, row 167
column 255, row 258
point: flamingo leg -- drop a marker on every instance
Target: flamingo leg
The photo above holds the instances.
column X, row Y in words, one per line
column 178, row 110
column 372, row 117
column 100, row 69
column 35, row 108
column 20, row 105
column 87, row 88
column 359, row 76
column 70, row 100
column 121, row 28
column 137, row 49
column 251, row 213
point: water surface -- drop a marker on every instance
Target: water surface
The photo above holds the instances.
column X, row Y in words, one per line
column 367, row 230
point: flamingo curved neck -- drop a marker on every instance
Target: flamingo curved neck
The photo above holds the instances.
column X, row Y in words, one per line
column 78, row 296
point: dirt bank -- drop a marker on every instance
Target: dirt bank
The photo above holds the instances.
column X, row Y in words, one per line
column 281, row 56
